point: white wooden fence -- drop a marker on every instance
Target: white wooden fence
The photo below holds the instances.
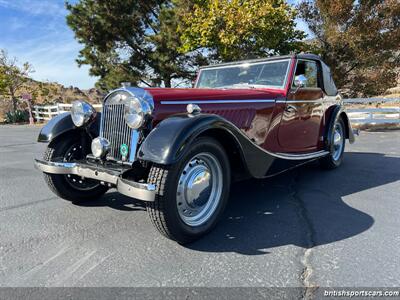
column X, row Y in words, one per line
column 375, row 115
column 371, row 116
column 362, row 116
column 47, row 112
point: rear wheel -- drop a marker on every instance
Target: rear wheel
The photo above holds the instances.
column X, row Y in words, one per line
column 191, row 194
column 68, row 148
column 335, row 157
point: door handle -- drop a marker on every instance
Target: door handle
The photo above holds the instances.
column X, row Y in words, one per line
column 291, row 108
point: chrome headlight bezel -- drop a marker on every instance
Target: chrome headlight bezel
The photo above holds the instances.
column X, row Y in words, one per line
column 100, row 147
column 82, row 113
column 135, row 112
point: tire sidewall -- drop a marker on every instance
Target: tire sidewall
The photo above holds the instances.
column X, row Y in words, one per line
column 207, row 145
column 337, row 162
column 62, row 144
column 63, row 188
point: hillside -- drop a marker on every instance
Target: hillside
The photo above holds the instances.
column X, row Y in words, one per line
column 51, row 92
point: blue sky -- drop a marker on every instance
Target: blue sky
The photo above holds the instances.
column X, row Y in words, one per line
column 36, row 31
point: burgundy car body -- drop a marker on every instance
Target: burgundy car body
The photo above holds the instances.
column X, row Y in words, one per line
column 288, row 122
column 270, row 129
column 271, row 125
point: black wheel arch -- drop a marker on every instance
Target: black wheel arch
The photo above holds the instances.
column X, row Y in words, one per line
column 167, row 142
column 337, row 112
column 62, row 124
column 232, row 150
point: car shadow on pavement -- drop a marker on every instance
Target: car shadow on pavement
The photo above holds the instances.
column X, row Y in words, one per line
column 304, row 207
column 116, row 201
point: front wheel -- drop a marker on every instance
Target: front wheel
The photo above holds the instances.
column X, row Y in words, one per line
column 191, row 194
column 68, row 148
column 335, row 157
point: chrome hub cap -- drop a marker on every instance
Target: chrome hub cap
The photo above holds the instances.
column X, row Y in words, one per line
column 199, row 189
column 337, row 142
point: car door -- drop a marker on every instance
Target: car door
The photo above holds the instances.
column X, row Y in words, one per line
column 299, row 129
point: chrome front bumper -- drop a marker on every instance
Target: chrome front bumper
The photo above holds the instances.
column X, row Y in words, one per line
column 141, row 191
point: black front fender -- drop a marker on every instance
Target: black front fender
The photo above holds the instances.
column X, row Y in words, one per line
column 62, row 124
column 168, row 141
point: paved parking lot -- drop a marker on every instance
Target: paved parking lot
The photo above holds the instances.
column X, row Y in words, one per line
column 305, row 227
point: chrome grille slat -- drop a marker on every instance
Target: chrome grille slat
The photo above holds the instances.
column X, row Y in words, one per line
column 114, row 136
column 115, row 129
column 119, row 127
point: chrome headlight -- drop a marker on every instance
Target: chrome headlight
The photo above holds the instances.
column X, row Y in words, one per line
column 82, row 112
column 100, row 147
column 136, row 111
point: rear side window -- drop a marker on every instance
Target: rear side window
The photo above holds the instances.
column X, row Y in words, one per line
column 329, row 84
column 309, row 70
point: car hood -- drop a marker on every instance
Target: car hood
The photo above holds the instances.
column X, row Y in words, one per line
column 163, row 95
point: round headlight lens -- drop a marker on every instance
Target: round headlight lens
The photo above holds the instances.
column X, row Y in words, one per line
column 134, row 113
column 82, row 112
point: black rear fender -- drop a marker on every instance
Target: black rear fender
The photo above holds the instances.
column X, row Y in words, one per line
column 338, row 112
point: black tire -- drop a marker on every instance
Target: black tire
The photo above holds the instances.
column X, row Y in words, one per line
column 63, row 185
column 331, row 162
column 163, row 212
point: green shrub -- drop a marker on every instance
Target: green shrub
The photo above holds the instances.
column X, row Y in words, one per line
column 18, row 116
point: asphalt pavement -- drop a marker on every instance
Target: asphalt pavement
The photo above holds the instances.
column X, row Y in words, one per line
column 307, row 227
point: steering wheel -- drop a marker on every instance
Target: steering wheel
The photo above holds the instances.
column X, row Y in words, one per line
column 265, row 82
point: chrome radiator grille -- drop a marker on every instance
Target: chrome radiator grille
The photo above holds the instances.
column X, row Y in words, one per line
column 115, row 129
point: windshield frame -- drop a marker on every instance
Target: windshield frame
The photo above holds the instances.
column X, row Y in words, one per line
column 246, row 63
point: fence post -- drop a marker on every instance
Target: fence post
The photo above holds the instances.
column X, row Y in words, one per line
column 35, row 111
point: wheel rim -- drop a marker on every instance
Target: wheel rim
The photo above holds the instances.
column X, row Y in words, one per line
column 337, row 142
column 75, row 153
column 199, row 189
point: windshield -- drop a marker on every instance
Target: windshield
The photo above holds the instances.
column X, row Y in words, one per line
column 245, row 75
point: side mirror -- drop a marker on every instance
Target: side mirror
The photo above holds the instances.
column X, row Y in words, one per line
column 300, row 81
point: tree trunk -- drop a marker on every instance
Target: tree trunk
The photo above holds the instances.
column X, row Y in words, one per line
column 14, row 103
column 167, row 81
column 31, row 119
column 14, row 100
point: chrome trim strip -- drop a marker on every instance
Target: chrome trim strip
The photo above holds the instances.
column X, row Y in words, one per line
column 291, row 156
column 141, row 191
column 244, row 63
column 219, row 101
column 239, row 101
column 134, row 145
column 300, row 101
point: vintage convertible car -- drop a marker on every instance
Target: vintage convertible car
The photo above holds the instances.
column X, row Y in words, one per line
column 178, row 150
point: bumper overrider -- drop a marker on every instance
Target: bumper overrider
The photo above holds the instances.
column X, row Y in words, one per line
column 113, row 178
